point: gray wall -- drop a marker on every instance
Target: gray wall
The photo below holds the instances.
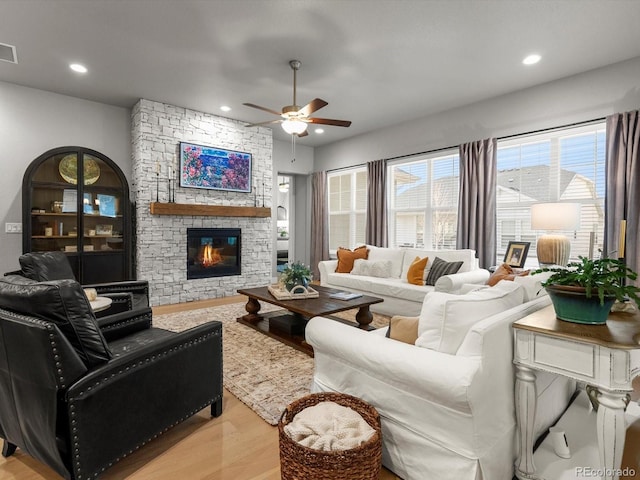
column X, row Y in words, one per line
column 583, row 97
column 34, row 121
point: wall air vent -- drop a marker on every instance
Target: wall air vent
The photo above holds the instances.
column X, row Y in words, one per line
column 8, row 53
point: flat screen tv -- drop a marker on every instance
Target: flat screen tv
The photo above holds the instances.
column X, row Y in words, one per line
column 214, row 168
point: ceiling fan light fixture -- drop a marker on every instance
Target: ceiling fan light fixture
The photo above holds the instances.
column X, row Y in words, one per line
column 294, row 127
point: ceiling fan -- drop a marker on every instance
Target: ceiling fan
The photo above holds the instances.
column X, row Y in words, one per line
column 294, row 118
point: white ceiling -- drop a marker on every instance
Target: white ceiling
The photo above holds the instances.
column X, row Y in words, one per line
column 377, row 62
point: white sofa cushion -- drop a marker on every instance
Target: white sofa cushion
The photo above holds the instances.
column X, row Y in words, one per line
column 394, row 255
column 446, row 318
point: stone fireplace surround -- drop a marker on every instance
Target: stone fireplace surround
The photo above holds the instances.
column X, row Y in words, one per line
column 161, row 256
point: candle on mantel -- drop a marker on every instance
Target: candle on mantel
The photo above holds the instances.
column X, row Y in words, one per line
column 623, row 234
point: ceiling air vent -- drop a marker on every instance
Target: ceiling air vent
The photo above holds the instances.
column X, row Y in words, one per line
column 8, row 53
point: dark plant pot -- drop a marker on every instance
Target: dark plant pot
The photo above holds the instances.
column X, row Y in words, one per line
column 572, row 305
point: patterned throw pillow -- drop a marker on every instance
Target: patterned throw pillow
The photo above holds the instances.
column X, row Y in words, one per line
column 440, row 268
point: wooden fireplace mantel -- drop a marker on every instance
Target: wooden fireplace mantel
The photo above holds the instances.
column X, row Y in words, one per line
column 207, row 210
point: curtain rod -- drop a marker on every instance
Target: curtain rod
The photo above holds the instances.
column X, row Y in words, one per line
column 506, row 137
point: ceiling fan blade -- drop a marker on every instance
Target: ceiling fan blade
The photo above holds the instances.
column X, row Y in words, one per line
column 262, row 108
column 312, row 106
column 329, row 121
column 264, row 123
column 303, row 134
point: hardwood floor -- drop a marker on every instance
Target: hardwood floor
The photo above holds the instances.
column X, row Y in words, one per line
column 238, row 445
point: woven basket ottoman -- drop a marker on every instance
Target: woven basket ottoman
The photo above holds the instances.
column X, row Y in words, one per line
column 298, row 462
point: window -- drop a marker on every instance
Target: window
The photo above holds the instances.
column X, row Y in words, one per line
column 423, row 202
column 557, row 166
column 347, row 207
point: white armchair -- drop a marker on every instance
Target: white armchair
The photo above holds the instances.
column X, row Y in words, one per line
column 443, row 415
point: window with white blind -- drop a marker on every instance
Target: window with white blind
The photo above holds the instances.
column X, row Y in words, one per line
column 423, row 201
column 347, row 207
column 564, row 165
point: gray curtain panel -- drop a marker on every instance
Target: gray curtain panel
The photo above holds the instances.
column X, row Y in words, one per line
column 477, row 200
column 623, row 186
column 319, row 221
column 376, row 228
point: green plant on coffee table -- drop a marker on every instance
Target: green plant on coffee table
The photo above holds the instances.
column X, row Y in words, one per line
column 604, row 277
column 295, row 273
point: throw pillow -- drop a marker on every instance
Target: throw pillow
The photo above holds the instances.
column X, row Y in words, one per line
column 446, row 318
column 505, row 272
column 64, row 303
column 440, row 268
column 403, row 329
column 381, row 269
column 416, row 271
column 346, row 258
column 360, row 267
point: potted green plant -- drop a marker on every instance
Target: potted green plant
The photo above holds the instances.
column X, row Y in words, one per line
column 584, row 291
column 294, row 274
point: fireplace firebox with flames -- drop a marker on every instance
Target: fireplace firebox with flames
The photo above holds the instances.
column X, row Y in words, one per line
column 213, row 252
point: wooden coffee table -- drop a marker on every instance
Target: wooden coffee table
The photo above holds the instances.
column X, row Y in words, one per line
column 288, row 325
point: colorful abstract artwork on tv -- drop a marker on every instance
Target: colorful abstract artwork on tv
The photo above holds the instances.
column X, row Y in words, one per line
column 214, row 168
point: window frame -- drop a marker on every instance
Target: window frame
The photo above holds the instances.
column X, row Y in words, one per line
column 430, row 160
column 353, row 212
column 522, row 228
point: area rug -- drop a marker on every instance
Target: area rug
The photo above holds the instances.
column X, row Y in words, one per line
column 261, row 372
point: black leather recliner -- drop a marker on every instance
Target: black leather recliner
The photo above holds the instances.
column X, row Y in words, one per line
column 78, row 400
column 129, row 311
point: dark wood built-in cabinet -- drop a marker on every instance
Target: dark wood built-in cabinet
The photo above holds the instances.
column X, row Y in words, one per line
column 76, row 200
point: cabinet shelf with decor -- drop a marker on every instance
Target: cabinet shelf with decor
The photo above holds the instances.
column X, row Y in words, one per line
column 76, row 200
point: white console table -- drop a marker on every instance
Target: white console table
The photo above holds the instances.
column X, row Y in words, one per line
column 606, row 357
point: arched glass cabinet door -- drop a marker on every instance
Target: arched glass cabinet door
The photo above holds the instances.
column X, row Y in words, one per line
column 76, row 200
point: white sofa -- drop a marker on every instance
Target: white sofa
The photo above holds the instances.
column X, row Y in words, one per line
column 401, row 297
column 444, row 416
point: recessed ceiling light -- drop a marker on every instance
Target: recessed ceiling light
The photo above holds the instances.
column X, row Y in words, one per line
column 531, row 59
column 225, row 108
column 319, row 130
column 76, row 67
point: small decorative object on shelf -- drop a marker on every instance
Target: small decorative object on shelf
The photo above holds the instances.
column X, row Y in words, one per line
column 295, row 273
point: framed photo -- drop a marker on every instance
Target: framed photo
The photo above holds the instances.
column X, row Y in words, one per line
column 104, row 229
column 516, row 254
column 214, row 168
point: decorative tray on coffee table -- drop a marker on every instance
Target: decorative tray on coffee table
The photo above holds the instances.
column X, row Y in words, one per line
column 298, row 292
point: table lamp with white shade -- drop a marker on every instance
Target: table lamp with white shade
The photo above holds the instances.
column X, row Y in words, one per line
column 554, row 249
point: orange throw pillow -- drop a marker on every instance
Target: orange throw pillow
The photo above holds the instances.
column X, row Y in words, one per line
column 505, row 272
column 346, row 258
column 415, row 274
